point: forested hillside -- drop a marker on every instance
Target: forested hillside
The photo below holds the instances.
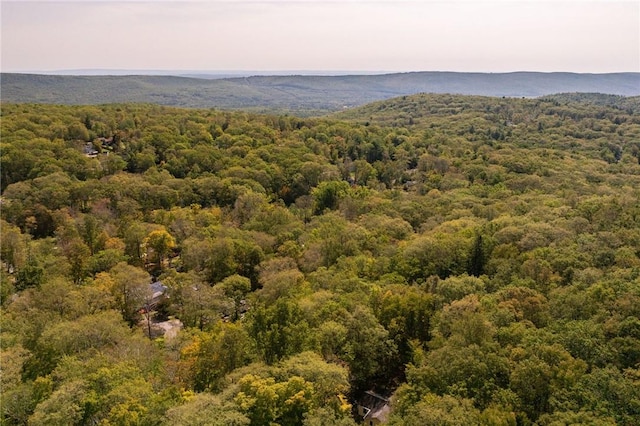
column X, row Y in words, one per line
column 474, row 259
column 299, row 94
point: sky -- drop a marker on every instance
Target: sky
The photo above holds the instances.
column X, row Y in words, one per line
column 321, row 35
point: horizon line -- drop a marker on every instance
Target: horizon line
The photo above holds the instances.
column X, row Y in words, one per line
column 106, row 72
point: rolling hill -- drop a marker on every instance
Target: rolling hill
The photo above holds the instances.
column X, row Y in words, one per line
column 303, row 95
column 474, row 258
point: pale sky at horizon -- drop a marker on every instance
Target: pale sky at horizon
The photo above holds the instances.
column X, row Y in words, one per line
column 304, row 35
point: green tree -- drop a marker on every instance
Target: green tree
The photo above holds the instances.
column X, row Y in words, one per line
column 266, row 401
column 328, row 194
column 279, row 278
column 606, row 392
column 204, row 409
column 133, row 235
column 159, row 244
column 330, row 381
column 30, row 275
column 370, row 353
column 98, row 331
column 236, row 288
column 196, row 303
column 326, row 417
column 213, row 355
column 90, row 231
column 77, row 254
column 13, row 246
column 457, row 287
column 63, row 407
column 279, row 330
column 438, row 410
column 477, row 257
column 130, row 287
column 537, row 379
column 406, row 313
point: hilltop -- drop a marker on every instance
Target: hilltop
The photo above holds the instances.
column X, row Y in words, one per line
column 418, row 111
column 300, row 94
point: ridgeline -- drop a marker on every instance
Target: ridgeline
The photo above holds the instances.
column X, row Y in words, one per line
column 300, row 94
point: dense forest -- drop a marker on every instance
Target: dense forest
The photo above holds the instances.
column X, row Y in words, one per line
column 474, row 260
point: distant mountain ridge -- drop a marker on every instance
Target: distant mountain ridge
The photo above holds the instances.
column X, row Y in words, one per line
column 305, row 94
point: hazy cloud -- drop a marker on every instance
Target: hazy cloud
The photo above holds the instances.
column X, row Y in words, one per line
column 501, row 35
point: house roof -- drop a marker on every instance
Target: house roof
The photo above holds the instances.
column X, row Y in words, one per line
column 376, row 406
column 158, row 289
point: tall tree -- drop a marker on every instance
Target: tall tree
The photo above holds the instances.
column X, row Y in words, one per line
column 477, row 258
column 131, row 288
column 159, row 244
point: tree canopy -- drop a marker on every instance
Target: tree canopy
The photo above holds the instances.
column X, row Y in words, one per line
column 468, row 257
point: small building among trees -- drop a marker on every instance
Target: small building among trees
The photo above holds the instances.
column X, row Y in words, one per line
column 373, row 409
